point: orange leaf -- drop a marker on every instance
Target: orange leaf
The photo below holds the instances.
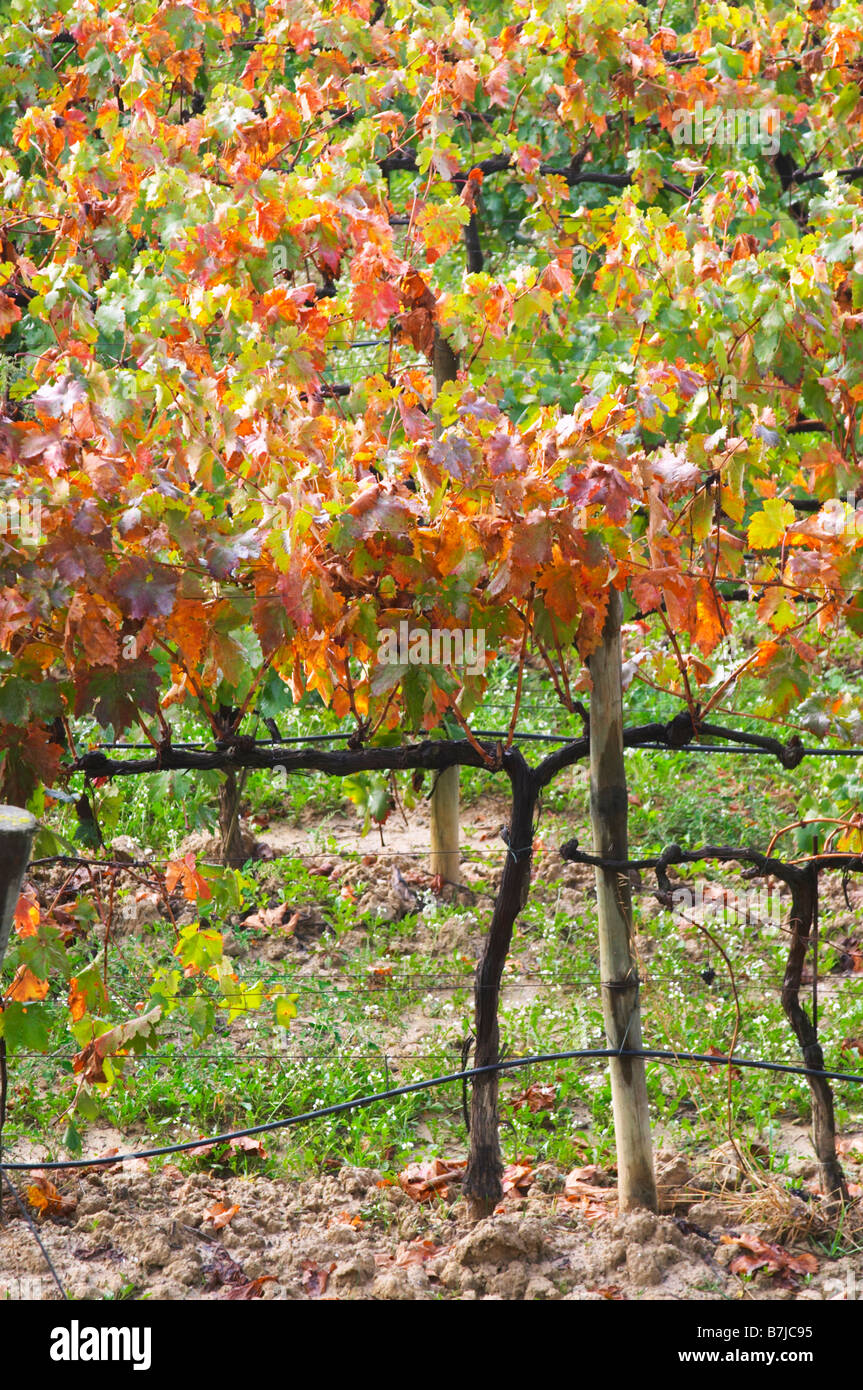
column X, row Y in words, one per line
column 26, row 915
column 517, row 1178
column 250, row 1290
column 45, row 1199
column 184, row 872
column 220, row 1214
column 26, row 987
column 77, row 1001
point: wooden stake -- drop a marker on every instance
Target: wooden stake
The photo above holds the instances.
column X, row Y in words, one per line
column 17, row 828
column 445, row 857
column 617, row 964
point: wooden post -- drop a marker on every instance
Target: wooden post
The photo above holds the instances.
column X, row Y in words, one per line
column 617, row 964
column 17, row 828
column 445, row 856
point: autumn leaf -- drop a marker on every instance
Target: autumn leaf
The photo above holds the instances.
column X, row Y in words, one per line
column 45, row 1199
column 416, row 1252
column 26, row 987
column 137, row 1033
column 26, row 915
column 423, row 1182
column 244, row 1292
column 220, row 1214
column 537, row 1097
column 183, row 872
column 758, row 1254
column 10, row 314
column 315, row 1277
column 769, row 525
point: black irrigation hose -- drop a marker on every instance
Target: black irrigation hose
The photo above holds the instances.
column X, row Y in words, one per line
column 363, row 1102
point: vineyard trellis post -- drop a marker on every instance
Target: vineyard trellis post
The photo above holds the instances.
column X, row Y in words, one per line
column 617, row 964
column 17, row 828
column 444, row 831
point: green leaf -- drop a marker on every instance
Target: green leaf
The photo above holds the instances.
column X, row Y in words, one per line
column 26, row 1027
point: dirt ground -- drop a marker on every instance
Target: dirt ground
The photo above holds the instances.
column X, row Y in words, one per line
column 725, row 1231
column 130, row 1232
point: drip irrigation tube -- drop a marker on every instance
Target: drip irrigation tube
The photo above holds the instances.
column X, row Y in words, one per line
column 362, row 1102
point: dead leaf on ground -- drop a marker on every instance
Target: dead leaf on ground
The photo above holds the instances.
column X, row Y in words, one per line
column 220, row 1214
column 425, row 1181
column 243, row 1292
column 536, row 1098
column 269, row 917
column 518, row 1178
column 46, row 1200
column 315, row 1278
column 589, row 1196
column 758, row 1254
column 245, row 1144
column 222, row 1268
column 416, row 1252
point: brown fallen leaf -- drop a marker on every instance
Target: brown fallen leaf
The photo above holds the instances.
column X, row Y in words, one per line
column 416, row 1252
column 592, row 1198
column 345, row 1218
column 314, row 1278
column 246, row 1144
column 518, row 1177
column 222, row 1268
column 536, row 1098
column 247, row 1291
column 220, row 1214
column 760, row 1254
column 425, row 1181
column 45, row 1199
column 269, row 917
